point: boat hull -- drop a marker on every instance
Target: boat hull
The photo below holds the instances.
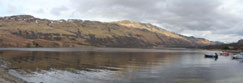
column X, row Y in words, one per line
column 210, row 56
column 237, row 57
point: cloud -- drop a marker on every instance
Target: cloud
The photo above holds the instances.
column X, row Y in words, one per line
column 218, row 17
column 11, row 9
column 59, row 10
column 218, row 20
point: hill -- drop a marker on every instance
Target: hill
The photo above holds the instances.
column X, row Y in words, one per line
column 231, row 46
column 28, row 31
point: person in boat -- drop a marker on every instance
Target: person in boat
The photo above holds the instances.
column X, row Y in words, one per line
column 216, row 56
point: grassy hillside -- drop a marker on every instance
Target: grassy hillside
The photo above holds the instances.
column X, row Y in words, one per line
column 28, row 31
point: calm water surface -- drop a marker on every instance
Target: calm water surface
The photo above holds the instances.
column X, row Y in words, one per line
column 113, row 65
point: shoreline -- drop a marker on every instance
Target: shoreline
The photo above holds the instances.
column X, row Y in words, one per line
column 233, row 51
column 5, row 77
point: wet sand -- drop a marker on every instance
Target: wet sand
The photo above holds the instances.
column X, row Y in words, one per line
column 5, row 77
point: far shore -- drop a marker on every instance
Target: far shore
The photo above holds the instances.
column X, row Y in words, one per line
column 233, row 51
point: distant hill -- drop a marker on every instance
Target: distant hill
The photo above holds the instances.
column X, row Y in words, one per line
column 232, row 46
column 28, row 31
column 240, row 42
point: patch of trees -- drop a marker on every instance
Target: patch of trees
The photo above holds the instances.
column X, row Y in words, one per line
column 40, row 35
column 78, row 34
column 118, row 41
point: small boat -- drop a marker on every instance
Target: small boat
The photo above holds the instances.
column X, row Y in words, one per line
column 238, row 56
column 241, row 53
column 224, row 53
column 211, row 56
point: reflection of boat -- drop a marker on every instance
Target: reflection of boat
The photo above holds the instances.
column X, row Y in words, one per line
column 211, row 56
column 240, row 60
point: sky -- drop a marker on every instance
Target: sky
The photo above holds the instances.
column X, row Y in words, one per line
column 215, row 20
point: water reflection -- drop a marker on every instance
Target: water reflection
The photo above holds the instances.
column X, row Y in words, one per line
column 239, row 60
column 153, row 66
column 215, row 58
column 33, row 61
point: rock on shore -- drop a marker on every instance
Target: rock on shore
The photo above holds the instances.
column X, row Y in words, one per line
column 5, row 77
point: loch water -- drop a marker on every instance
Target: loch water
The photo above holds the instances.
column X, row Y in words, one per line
column 120, row 65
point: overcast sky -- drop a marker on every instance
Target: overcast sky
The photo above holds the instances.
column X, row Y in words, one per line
column 216, row 20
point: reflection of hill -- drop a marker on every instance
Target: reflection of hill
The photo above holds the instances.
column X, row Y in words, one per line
column 34, row 61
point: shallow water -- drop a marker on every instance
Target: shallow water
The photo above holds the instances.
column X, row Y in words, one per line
column 114, row 65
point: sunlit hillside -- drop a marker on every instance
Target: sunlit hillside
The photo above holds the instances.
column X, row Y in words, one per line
column 28, row 31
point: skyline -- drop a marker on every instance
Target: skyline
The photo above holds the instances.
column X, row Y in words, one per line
column 215, row 20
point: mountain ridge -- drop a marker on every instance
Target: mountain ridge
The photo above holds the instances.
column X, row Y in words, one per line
column 29, row 31
column 236, row 46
